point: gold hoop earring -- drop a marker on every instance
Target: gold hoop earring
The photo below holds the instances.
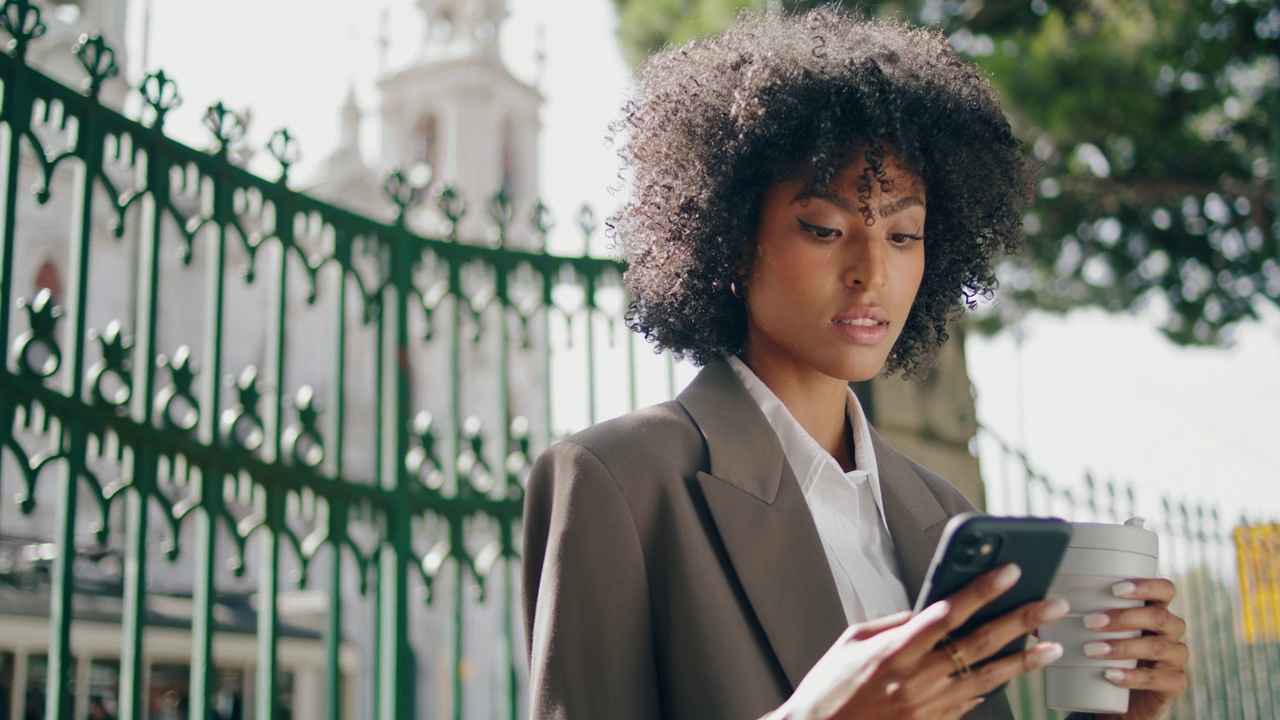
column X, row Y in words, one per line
column 737, row 288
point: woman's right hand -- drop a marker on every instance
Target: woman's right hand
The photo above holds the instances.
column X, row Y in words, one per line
column 892, row 668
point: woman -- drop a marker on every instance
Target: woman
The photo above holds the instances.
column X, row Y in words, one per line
column 813, row 198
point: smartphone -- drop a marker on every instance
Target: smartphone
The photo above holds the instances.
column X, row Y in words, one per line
column 973, row 543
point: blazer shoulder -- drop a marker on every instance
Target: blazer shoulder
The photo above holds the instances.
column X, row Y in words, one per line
column 948, row 496
column 661, row 441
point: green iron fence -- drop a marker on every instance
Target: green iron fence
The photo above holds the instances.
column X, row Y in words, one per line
column 389, row 391
column 1231, row 675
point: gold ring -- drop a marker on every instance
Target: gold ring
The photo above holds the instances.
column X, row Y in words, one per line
column 957, row 658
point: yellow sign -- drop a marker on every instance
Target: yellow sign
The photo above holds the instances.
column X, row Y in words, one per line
column 1258, row 548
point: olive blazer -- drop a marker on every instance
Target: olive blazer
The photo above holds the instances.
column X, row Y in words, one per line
column 672, row 568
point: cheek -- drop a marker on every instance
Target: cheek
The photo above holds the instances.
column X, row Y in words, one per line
column 912, row 274
column 788, row 282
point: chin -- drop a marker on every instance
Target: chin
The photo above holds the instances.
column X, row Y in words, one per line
column 859, row 370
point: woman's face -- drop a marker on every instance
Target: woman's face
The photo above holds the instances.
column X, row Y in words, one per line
column 828, row 294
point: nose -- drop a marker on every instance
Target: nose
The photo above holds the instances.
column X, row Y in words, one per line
column 866, row 260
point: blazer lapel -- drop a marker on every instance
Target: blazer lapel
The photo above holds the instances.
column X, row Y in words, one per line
column 915, row 518
column 764, row 523
column 916, row 521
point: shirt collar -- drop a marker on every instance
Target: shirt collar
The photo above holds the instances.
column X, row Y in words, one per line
column 801, row 450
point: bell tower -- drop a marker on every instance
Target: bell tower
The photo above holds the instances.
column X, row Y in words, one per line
column 468, row 25
column 458, row 109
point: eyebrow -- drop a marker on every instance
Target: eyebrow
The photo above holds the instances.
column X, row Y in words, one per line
column 883, row 211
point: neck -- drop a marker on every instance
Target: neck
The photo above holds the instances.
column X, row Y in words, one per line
column 818, row 403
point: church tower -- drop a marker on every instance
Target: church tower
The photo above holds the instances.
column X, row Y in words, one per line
column 459, row 110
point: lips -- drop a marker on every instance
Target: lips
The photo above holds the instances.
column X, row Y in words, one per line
column 867, row 325
column 863, row 312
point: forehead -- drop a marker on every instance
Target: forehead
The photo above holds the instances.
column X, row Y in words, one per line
column 850, row 173
column 888, row 176
column 858, row 186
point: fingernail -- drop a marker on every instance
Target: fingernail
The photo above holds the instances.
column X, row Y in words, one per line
column 1046, row 653
column 1114, row 674
column 1097, row 649
column 1055, row 610
column 1008, row 576
column 1096, row 621
column 1124, row 589
column 936, row 611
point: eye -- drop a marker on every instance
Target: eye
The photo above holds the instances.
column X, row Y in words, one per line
column 818, row 231
column 905, row 240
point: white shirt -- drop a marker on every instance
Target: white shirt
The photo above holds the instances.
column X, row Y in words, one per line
column 846, row 507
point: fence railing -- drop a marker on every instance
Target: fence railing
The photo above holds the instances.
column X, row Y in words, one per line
column 248, row 398
column 1231, row 672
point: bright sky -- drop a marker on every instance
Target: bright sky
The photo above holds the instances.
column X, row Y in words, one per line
column 1088, row 392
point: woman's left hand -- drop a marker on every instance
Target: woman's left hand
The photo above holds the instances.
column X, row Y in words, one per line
column 1162, row 657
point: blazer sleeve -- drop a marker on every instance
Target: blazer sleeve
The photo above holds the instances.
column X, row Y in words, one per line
column 585, row 594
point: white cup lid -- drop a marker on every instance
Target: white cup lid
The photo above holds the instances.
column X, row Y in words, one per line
column 1110, row 536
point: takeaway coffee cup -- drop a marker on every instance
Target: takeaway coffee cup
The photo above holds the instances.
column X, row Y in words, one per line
column 1099, row 556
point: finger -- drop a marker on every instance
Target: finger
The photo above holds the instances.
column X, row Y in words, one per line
column 1152, row 648
column 991, row 638
column 994, row 674
column 1157, row 590
column 1165, row 681
column 871, row 628
column 965, row 709
column 963, row 604
column 1156, row 619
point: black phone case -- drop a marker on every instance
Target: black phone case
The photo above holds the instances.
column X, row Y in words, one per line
column 1036, row 545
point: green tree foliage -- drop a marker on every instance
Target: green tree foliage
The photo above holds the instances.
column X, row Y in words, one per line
column 1158, row 126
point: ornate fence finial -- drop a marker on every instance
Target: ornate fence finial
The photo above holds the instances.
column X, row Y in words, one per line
column 242, row 426
column 403, row 192
column 540, row 218
column 226, row 125
column 21, row 20
column 422, row 461
column 98, row 59
column 475, row 476
column 518, row 456
column 160, row 93
column 42, row 315
column 114, row 367
column 500, row 212
column 177, row 405
column 303, row 441
column 284, row 147
column 453, row 206
column 586, row 220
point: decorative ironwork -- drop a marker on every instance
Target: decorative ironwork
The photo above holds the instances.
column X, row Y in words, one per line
column 302, row 456
column 160, row 93
column 98, row 61
column 284, row 148
column 21, row 19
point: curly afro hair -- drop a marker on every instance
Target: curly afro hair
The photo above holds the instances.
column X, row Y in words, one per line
column 717, row 122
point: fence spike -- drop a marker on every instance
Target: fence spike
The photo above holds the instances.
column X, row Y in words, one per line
column 98, row 60
column 21, row 19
